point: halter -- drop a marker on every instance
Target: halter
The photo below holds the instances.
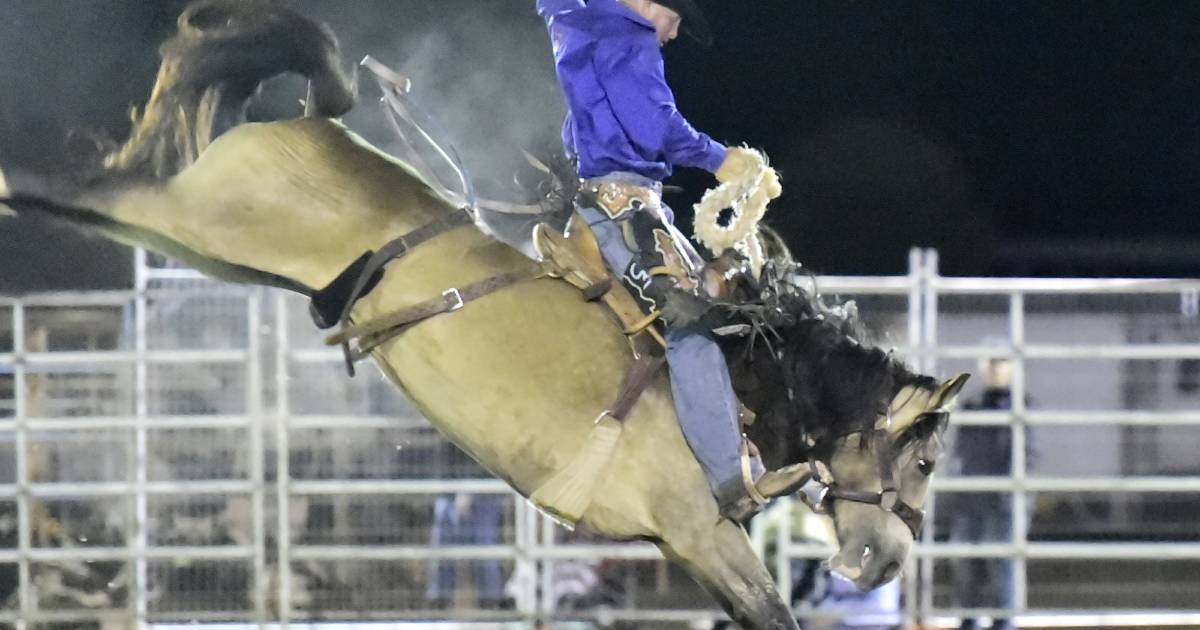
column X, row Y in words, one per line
column 888, row 497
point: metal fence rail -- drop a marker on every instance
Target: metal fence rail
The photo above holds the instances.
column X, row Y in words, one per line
column 317, row 521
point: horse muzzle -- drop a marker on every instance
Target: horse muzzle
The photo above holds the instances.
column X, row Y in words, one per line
column 865, row 567
column 873, row 545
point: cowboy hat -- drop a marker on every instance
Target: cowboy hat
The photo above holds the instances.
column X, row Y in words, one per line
column 693, row 22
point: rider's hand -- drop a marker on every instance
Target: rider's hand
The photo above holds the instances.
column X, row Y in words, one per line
column 770, row 184
column 718, row 276
column 739, row 163
column 685, row 308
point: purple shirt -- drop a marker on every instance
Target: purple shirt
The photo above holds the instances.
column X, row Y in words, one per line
column 621, row 115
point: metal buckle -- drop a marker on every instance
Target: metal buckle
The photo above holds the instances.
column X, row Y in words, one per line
column 889, row 498
column 817, row 499
column 452, row 292
column 605, row 414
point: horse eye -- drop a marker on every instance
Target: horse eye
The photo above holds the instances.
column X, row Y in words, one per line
column 925, row 466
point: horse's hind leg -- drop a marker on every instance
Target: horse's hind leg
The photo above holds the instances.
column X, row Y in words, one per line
column 721, row 559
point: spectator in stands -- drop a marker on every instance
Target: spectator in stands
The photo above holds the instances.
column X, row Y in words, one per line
column 464, row 519
column 983, row 517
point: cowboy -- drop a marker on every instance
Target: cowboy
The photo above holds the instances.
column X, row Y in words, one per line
column 625, row 133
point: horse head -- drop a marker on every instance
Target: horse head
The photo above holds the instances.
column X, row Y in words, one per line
column 868, row 426
column 877, row 480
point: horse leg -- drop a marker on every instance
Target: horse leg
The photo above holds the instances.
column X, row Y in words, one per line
column 721, row 559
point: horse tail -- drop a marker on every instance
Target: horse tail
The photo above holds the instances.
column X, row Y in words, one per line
column 94, row 221
column 222, row 52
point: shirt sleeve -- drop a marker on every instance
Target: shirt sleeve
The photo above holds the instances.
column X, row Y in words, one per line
column 568, row 138
column 632, row 74
column 547, row 9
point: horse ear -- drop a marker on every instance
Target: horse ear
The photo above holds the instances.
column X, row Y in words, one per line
column 904, row 409
column 948, row 391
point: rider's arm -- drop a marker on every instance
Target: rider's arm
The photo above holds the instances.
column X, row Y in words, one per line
column 631, row 71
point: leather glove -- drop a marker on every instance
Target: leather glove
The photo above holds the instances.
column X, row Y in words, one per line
column 771, row 186
column 739, row 163
column 685, row 309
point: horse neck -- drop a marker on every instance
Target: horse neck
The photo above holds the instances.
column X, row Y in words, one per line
column 758, row 376
column 816, row 379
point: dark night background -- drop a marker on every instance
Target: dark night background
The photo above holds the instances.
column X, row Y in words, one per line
column 1018, row 137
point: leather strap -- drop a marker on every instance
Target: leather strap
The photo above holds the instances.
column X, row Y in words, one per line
column 327, row 304
column 636, row 380
column 598, row 290
column 397, row 249
column 373, row 333
column 505, row 207
column 370, row 272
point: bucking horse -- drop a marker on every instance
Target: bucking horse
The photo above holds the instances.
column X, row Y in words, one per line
column 515, row 371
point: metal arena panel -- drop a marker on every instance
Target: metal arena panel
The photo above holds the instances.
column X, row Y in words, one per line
column 189, row 452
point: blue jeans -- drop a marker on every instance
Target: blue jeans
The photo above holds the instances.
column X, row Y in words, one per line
column 703, row 391
column 479, row 524
column 983, row 518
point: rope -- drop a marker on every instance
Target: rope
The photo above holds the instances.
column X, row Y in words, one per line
column 747, row 197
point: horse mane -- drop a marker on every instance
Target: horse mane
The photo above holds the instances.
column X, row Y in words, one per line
column 817, row 372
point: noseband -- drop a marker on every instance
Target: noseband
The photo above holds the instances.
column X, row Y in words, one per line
column 888, row 497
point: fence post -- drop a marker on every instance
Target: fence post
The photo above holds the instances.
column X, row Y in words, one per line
column 257, row 452
column 1019, row 416
column 141, row 457
column 283, row 563
column 525, row 567
column 924, row 270
column 25, row 592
